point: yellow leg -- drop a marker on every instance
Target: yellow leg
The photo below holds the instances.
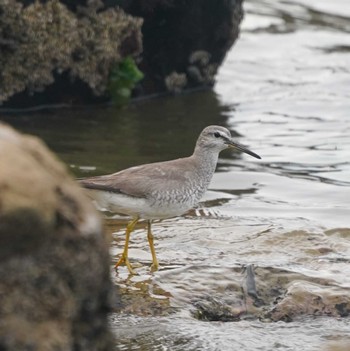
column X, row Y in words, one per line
column 154, row 265
column 124, row 258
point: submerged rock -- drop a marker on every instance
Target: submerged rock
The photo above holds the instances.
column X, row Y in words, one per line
column 304, row 298
column 271, row 294
column 54, row 263
column 215, row 309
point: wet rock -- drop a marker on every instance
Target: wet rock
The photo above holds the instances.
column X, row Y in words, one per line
column 304, row 298
column 63, row 51
column 338, row 346
column 272, row 294
column 216, row 309
column 187, row 37
column 136, row 299
column 175, row 82
column 45, row 43
column 240, row 300
column 55, row 288
column 287, row 295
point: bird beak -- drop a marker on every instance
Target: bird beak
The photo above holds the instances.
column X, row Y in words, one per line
column 240, row 147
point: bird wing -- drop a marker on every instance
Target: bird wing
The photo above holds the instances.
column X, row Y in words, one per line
column 139, row 181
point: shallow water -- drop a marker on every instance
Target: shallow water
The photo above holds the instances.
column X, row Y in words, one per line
column 284, row 92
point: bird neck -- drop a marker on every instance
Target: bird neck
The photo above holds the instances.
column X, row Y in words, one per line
column 207, row 160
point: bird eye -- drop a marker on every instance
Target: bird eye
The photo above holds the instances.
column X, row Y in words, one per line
column 217, row 135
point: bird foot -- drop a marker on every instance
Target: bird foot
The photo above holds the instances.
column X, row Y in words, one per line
column 154, row 267
column 124, row 260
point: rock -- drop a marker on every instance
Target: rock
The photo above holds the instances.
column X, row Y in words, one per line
column 181, row 35
column 63, row 51
column 54, row 262
column 272, row 294
column 175, row 82
column 304, row 298
column 210, row 308
column 337, row 346
column 61, row 55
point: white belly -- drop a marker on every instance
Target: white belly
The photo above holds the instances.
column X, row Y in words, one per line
column 135, row 207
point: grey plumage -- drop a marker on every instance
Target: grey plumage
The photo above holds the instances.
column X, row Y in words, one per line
column 163, row 189
column 182, row 180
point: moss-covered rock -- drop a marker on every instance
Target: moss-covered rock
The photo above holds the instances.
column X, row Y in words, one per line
column 63, row 51
column 40, row 41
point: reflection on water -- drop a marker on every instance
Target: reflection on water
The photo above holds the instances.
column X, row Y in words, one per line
column 284, row 92
column 103, row 140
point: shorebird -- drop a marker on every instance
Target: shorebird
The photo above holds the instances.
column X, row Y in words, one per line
column 162, row 189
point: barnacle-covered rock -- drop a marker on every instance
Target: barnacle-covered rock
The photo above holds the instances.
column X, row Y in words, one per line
column 176, row 82
column 63, row 51
column 42, row 40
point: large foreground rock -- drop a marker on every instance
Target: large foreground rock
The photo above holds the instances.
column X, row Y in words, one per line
column 54, row 263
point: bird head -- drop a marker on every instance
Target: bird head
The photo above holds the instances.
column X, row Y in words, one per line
column 219, row 138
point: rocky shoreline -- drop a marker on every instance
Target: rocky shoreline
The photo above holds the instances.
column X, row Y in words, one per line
column 63, row 52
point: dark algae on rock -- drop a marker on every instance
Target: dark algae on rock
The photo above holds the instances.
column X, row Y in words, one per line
column 45, row 47
column 67, row 52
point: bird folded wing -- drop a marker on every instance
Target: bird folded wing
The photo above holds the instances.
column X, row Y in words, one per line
column 136, row 181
